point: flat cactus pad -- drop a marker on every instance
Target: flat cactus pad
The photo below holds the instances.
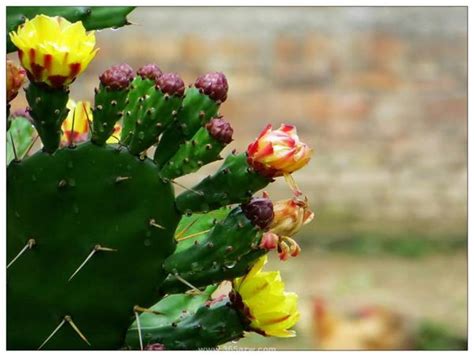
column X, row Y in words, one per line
column 96, row 207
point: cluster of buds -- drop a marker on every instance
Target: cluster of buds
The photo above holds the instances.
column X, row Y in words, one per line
column 289, row 216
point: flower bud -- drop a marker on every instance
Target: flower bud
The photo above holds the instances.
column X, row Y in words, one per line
column 214, row 85
column 171, row 84
column 117, row 77
column 150, row 71
column 220, row 130
column 278, row 152
column 15, row 78
column 259, row 211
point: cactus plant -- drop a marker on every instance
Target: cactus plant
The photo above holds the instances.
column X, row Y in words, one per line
column 97, row 243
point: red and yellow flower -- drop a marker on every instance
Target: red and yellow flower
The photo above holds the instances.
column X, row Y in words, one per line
column 76, row 125
column 53, row 50
column 278, row 152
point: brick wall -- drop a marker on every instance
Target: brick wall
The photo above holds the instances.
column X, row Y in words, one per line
column 380, row 93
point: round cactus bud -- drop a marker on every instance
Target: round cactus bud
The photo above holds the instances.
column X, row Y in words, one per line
column 150, row 71
column 117, row 77
column 171, row 84
column 220, row 130
column 259, row 211
column 15, row 78
column 155, row 347
column 214, row 85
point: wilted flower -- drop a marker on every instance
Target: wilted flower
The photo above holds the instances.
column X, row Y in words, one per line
column 262, row 299
column 278, row 152
column 53, row 50
column 290, row 216
column 15, row 78
column 76, row 125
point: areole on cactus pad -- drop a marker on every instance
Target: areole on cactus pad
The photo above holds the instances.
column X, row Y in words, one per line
column 97, row 242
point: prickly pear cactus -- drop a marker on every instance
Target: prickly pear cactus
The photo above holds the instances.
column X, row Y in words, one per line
column 101, row 254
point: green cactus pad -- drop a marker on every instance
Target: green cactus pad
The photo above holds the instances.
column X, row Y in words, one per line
column 189, row 324
column 92, row 17
column 68, row 203
column 234, row 182
column 197, row 109
column 216, row 256
column 108, row 109
column 48, row 111
column 156, row 111
column 173, row 308
column 193, row 154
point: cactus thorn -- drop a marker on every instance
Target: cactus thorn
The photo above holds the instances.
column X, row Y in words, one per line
column 174, row 113
column 184, row 187
column 186, row 160
column 14, row 147
column 94, row 250
column 139, row 329
column 202, row 114
column 139, row 309
column 185, row 229
column 38, row 100
column 153, row 223
column 76, row 329
column 200, row 163
column 56, row 112
column 99, row 107
column 52, row 334
column 113, row 103
column 193, row 235
column 182, row 280
column 208, row 146
column 193, row 142
column 29, row 147
column 29, row 245
column 121, row 179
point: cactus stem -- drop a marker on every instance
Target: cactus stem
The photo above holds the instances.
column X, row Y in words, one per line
column 185, row 229
column 184, row 187
column 185, row 282
column 154, row 224
column 94, row 250
column 139, row 329
column 14, row 148
column 76, row 329
column 194, row 235
column 121, row 179
column 29, row 245
column 52, row 334
column 29, row 147
column 140, row 309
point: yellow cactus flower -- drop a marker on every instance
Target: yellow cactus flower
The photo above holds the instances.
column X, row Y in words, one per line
column 78, row 116
column 53, row 50
column 270, row 310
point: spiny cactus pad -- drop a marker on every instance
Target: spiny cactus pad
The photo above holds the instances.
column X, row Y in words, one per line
column 69, row 203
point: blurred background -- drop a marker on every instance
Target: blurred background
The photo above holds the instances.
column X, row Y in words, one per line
column 380, row 93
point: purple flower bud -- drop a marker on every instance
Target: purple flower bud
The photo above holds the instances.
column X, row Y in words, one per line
column 117, row 77
column 150, row 71
column 220, row 130
column 214, row 85
column 259, row 211
column 171, row 84
column 155, row 347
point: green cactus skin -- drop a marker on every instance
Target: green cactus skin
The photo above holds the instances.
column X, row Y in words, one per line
column 215, row 256
column 197, row 109
column 92, row 17
column 173, row 308
column 156, row 112
column 193, row 154
column 234, row 182
column 69, row 202
column 23, row 133
column 138, row 89
column 207, row 326
column 48, row 111
column 108, row 109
